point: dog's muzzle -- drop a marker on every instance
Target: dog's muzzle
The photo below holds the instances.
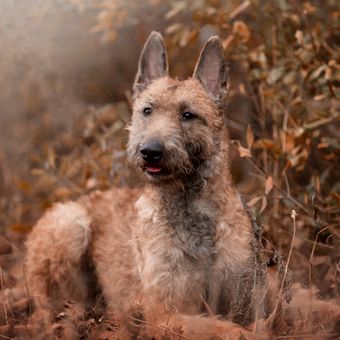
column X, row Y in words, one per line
column 152, row 154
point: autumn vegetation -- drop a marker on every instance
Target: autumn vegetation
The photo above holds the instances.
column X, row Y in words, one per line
column 282, row 113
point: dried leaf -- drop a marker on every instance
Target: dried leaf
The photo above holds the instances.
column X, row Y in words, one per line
column 317, row 72
column 253, row 201
column 62, row 192
column 91, row 183
column 336, row 196
column 173, row 28
column 308, row 8
column 239, row 9
column 328, row 73
column 244, row 152
column 317, row 123
column 269, row 185
column 241, row 30
column 276, row 74
column 184, row 38
column 268, row 144
column 250, row 137
column 319, row 97
column 264, row 204
column 21, row 227
column 305, row 55
column 289, row 78
column 228, row 41
column 177, row 7
column 37, row 172
column 264, row 143
column 24, row 186
column 290, row 142
column 51, row 156
column 298, row 158
column 299, row 37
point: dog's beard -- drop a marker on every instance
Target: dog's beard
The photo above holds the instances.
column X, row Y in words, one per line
column 173, row 172
column 170, row 168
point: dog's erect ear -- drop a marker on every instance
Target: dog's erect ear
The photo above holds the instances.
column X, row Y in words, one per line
column 212, row 70
column 153, row 62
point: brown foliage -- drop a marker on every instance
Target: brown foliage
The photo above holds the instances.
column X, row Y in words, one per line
column 283, row 110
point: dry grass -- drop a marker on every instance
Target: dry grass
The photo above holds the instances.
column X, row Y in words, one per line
column 283, row 111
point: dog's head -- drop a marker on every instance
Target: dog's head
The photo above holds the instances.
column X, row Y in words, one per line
column 177, row 126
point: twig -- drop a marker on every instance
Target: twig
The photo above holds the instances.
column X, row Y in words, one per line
column 287, row 183
column 286, row 113
column 310, row 266
column 336, row 278
column 293, row 215
column 276, row 179
column 206, row 305
column 159, row 327
column 274, row 45
column 284, row 130
column 5, row 258
column 4, row 329
column 326, row 246
column 239, row 9
column 24, row 274
column 1, row 287
column 286, row 195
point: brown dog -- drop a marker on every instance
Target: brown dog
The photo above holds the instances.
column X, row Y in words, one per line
column 183, row 245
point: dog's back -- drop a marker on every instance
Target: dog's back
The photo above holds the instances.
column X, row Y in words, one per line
column 96, row 226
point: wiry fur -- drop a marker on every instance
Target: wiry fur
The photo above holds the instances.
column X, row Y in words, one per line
column 182, row 247
column 56, row 247
column 177, row 249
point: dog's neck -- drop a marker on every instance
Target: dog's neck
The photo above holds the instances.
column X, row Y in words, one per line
column 196, row 211
column 198, row 194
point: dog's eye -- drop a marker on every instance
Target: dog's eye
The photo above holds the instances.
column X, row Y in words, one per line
column 147, row 111
column 188, row 115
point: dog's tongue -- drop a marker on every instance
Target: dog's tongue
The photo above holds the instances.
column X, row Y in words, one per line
column 153, row 169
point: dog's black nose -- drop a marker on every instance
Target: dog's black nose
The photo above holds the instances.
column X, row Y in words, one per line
column 152, row 152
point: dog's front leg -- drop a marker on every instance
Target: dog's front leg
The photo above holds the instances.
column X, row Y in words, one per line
column 164, row 321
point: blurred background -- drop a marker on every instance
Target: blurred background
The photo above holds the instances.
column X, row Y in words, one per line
column 66, row 70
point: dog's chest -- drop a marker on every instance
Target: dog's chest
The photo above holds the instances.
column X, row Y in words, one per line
column 186, row 229
column 175, row 248
column 192, row 232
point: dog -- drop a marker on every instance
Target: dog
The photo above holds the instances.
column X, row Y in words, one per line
column 181, row 250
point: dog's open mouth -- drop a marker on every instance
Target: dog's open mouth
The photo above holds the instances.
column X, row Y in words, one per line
column 154, row 169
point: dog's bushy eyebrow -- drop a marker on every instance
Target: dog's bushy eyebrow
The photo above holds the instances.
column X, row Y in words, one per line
column 147, row 103
column 185, row 106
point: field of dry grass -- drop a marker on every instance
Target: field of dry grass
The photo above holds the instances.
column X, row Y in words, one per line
column 282, row 112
